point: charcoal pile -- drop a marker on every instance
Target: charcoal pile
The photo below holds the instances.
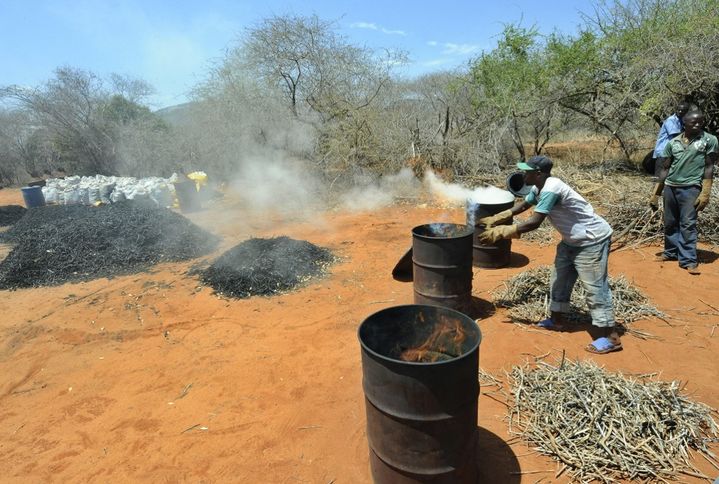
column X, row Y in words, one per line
column 57, row 244
column 264, row 267
column 9, row 214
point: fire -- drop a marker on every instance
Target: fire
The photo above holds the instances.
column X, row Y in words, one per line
column 445, row 343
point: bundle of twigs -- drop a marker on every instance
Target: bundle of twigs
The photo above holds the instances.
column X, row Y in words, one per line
column 709, row 218
column 527, row 297
column 266, row 267
column 603, row 426
column 9, row 214
column 635, row 224
column 61, row 243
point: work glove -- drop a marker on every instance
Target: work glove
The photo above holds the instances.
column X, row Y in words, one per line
column 656, row 193
column 495, row 234
column 500, row 217
column 703, row 198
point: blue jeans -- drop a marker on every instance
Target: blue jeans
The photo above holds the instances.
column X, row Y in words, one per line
column 589, row 265
column 680, row 224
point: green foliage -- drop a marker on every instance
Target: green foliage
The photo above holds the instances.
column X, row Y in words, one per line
column 293, row 85
column 514, row 71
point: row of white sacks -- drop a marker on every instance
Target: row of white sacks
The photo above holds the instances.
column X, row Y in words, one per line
column 93, row 190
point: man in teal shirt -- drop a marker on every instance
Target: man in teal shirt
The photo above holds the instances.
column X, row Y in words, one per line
column 582, row 255
column 685, row 181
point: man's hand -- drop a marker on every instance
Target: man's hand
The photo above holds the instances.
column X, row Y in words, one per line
column 656, row 192
column 495, row 234
column 500, row 217
column 654, row 202
column 703, row 199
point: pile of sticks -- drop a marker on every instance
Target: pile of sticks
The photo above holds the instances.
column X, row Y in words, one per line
column 635, row 224
column 605, row 427
column 526, row 295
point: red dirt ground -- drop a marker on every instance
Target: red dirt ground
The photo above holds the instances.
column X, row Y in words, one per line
column 152, row 378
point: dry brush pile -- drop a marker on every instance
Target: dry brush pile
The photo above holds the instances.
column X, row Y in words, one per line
column 623, row 199
column 527, row 297
column 606, row 426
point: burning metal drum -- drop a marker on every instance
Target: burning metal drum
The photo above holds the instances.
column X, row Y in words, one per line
column 442, row 265
column 489, row 256
column 419, row 374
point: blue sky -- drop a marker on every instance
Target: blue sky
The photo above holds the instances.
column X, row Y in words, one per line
column 172, row 44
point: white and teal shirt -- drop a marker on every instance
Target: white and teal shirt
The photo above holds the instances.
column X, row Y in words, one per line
column 571, row 215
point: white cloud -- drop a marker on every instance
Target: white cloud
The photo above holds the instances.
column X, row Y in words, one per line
column 436, row 62
column 460, row 49
column 373, row 26
column 364, row 25
column 450, row 48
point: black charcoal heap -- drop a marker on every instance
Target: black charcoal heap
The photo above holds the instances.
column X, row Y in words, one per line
column 263, row 267
column 57, row 244
column 9, row 214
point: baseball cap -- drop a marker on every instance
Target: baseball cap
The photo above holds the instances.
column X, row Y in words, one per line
column 536, row 163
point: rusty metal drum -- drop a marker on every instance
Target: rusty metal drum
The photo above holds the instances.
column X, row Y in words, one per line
column 442, row 265
column 419, row 375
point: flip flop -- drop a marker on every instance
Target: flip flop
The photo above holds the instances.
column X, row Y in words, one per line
column 550, row 325
column 601, row 346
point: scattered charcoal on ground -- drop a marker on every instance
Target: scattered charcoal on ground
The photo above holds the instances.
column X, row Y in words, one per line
column 57, row 244
column 9, row 214
column 263, row 267
column 604, row 426
column 527, row 297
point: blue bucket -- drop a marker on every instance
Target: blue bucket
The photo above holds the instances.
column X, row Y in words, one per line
column 33, row 197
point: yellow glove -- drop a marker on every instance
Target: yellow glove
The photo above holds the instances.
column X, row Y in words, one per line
column 703, row 198
column 495, row 234
column 500, row 217
column 656, row 193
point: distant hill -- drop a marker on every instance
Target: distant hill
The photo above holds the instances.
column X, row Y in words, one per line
column 178, row 114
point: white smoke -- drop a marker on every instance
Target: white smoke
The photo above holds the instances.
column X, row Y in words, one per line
column 372, row 194
column 451, row 192
column 278, row 185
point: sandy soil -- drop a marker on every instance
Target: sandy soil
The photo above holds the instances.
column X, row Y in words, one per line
column 151, row 377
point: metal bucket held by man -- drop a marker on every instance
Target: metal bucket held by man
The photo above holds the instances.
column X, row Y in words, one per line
column 419, row 375
column 486, row 204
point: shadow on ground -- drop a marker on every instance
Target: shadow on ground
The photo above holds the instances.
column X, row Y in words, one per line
column 495, row 459
column 481, row 308
column 518, row 260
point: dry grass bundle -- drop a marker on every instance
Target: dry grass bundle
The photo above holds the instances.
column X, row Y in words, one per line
column 709, row 218
column 527, row 297
column 635, row 224
column 604, row 426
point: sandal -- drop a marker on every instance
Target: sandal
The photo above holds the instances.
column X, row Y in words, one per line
column 550, row 325
column 603, row 345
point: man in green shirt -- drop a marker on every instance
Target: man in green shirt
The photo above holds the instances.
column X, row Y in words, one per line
column 685, row 181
